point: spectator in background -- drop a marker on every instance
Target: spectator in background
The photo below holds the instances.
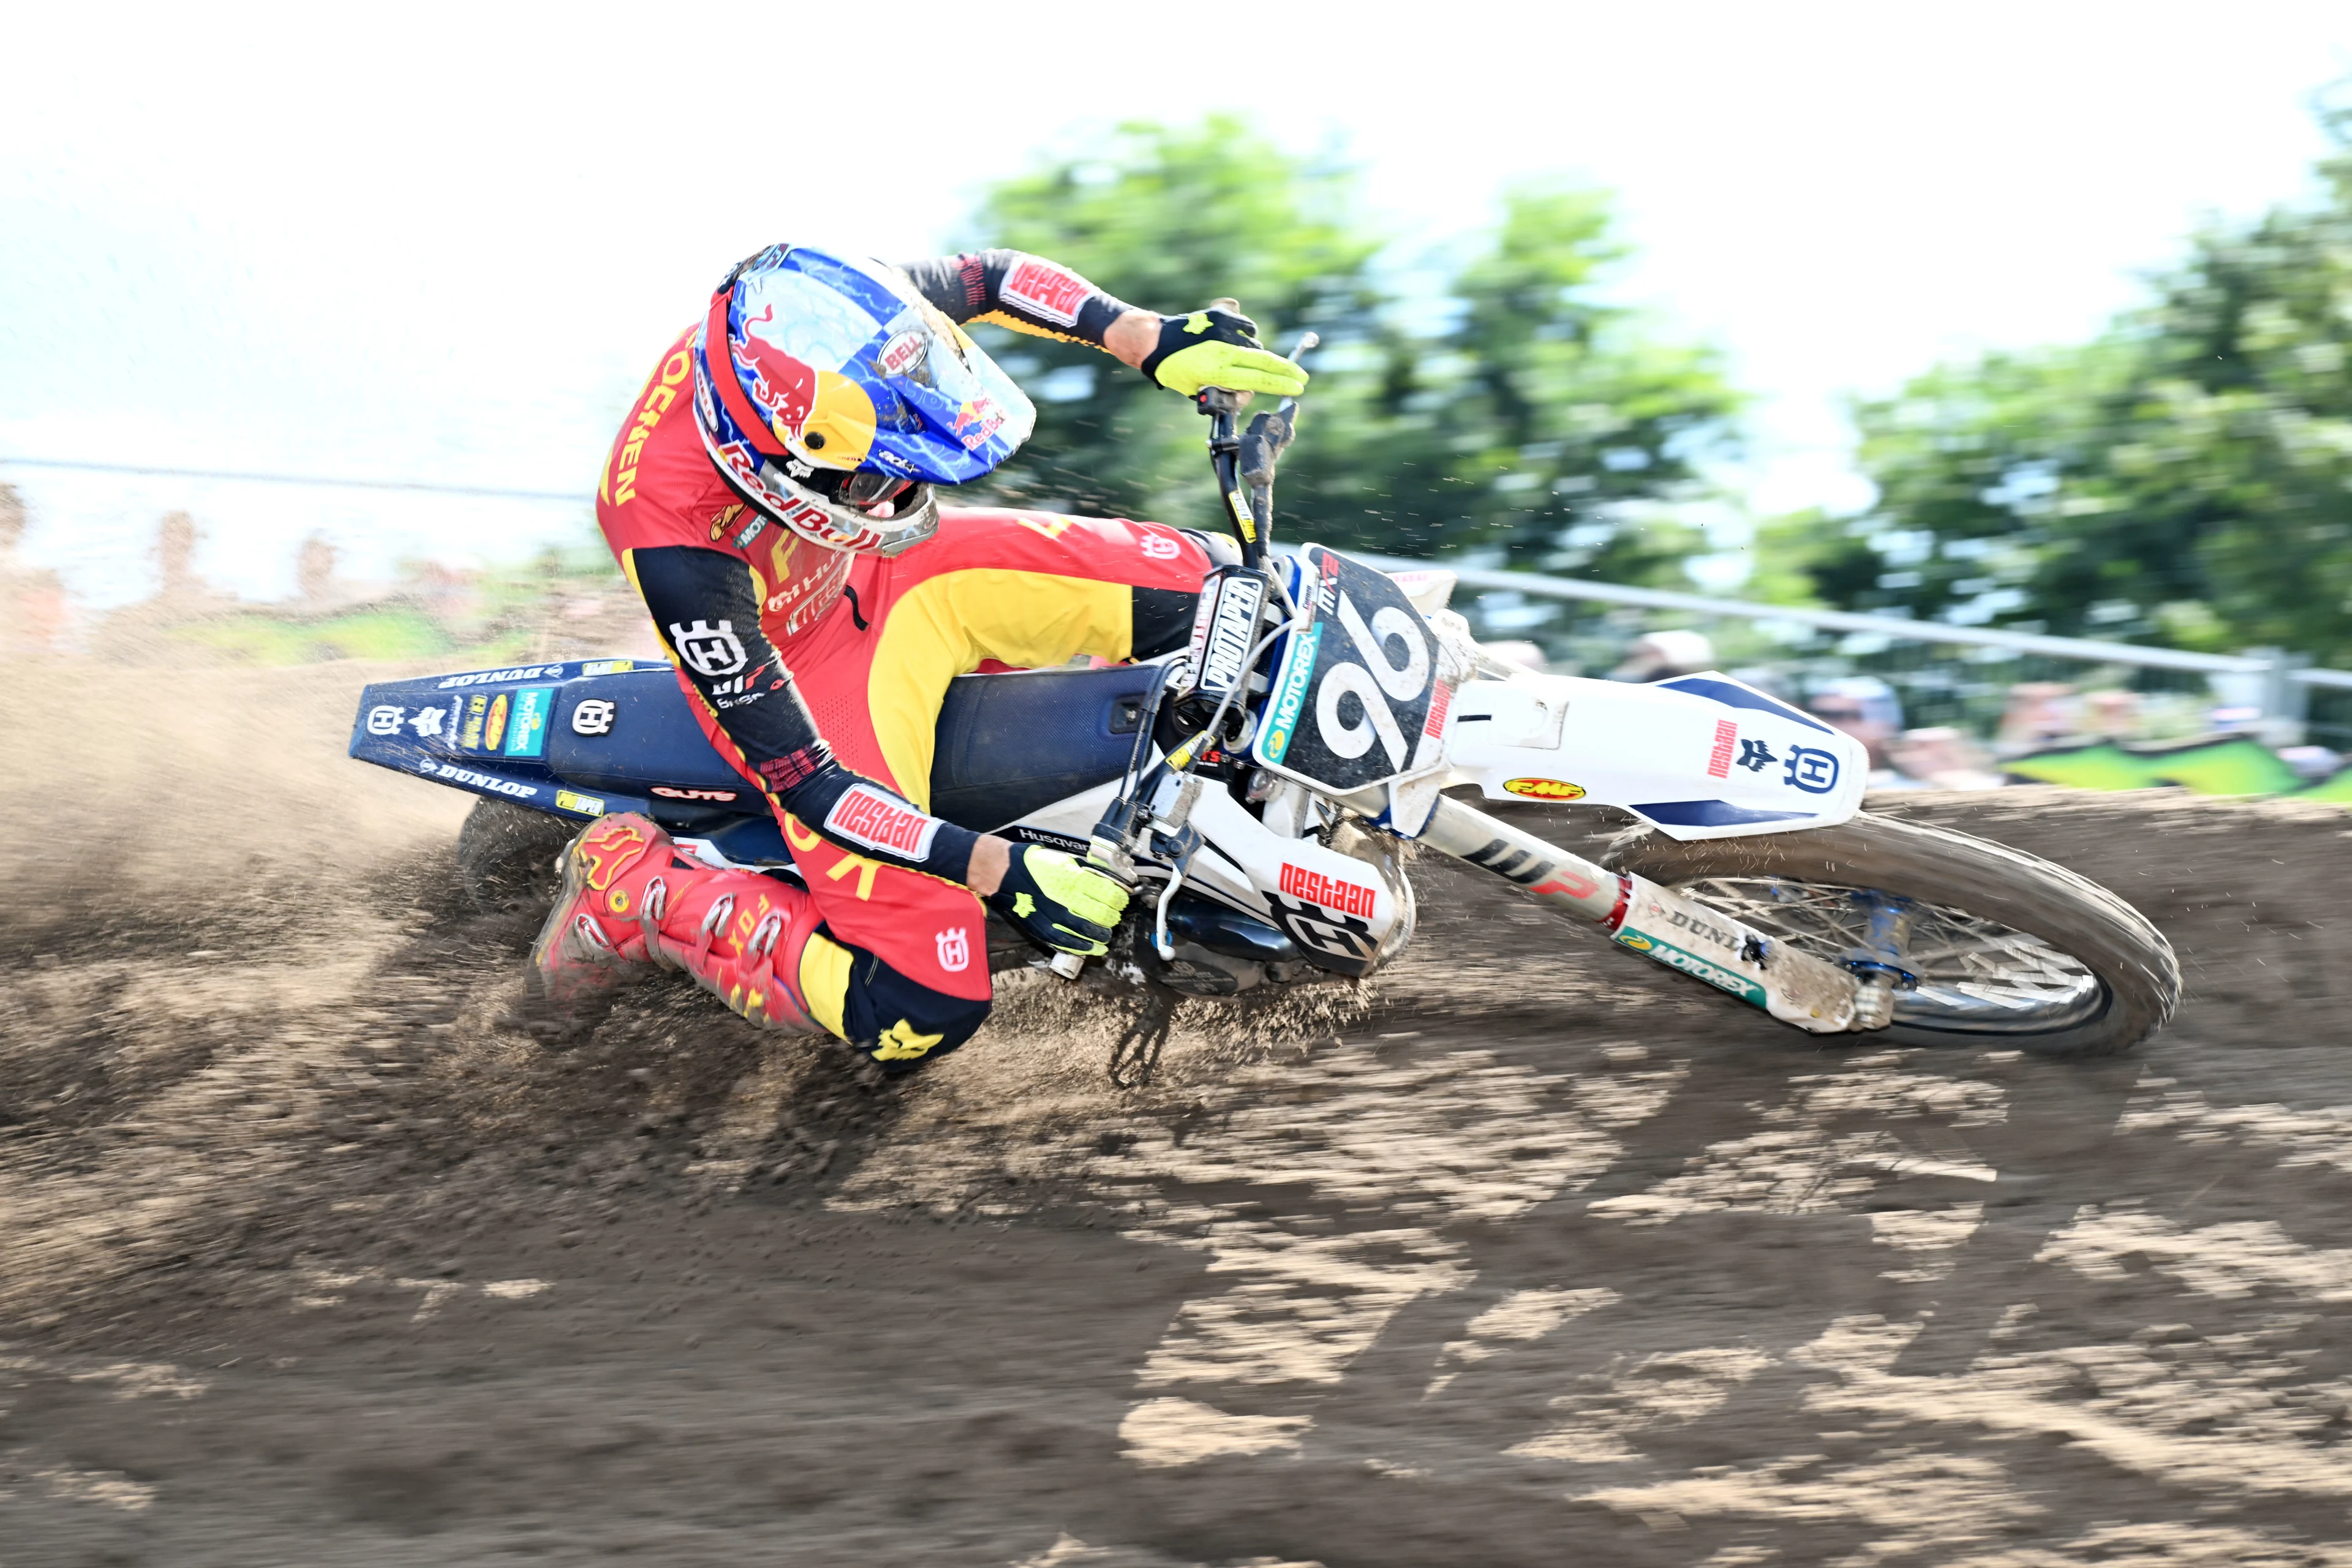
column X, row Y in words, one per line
column 314, row 573
column 1941, row 757
column 2114, row 715
column 2039, row 713
column 32, row 601
column 1662, row 656
column 1867, row 708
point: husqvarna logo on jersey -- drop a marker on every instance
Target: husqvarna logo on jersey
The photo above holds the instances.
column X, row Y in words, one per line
column 708, row 650
column 955, row 949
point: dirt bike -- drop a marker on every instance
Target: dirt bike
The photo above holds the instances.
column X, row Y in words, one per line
column 1257, row 790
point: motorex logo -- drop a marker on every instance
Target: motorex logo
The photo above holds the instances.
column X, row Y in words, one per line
column 526, row 731
column 1292, row 698
column 1692, row 964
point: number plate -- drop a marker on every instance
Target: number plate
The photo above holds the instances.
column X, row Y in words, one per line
column 1352, row 695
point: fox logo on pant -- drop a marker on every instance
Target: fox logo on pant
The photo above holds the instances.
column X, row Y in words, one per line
column 899, row 1043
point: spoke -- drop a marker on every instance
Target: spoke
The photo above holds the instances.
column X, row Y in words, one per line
column 1972, row 972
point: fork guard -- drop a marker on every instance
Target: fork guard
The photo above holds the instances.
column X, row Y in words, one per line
column 1682, row 933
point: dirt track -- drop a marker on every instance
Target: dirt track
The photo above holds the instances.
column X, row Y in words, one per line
column 1543, row 1255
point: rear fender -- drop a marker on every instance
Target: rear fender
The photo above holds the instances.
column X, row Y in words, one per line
column 1701, row 756
column 490, row 732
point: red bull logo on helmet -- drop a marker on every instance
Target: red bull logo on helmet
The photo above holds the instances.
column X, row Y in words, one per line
column 824, row 414
column 783, row 387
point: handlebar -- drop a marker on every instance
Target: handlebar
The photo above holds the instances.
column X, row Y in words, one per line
column 1244, row 465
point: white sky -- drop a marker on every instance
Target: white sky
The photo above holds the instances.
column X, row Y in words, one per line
column 446, row 243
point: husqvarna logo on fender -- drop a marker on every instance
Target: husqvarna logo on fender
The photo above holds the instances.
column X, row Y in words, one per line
column 1814, row 772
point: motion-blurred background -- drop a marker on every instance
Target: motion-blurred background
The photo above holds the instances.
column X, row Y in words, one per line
column 2028, row 320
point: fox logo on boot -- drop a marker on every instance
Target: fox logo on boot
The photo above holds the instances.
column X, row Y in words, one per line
column 611, row 847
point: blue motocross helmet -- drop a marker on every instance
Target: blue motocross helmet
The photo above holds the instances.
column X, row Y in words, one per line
column 841, row 396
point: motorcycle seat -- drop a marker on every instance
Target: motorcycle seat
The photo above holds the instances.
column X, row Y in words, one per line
column 1006, row 744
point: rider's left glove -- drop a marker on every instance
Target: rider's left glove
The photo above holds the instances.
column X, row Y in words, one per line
column 1217, row 348
column 1059, row 901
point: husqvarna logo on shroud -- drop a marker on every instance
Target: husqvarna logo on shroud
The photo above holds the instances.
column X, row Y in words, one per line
column 1814, row 772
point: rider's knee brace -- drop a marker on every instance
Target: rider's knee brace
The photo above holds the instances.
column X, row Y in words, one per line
column 901, row 1024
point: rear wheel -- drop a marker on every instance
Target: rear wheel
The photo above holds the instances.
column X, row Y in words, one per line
column 2008, row 950
column 506, row 855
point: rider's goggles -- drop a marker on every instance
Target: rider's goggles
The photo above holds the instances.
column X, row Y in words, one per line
column 864, row 490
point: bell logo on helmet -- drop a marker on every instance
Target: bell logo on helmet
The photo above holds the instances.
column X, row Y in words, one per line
column 708, row 650
column 902, row 355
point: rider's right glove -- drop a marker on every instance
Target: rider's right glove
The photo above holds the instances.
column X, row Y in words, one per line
column 1217, row 348
column 1058, row 900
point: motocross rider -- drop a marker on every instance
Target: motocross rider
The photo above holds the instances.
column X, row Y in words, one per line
column 772, row 496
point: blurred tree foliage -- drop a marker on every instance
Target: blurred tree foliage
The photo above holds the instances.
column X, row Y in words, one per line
column 1506, row 407
column 2185, row 479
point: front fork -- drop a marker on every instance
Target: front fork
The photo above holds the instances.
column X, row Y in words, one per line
column 1878, row 960
column 1795, row 987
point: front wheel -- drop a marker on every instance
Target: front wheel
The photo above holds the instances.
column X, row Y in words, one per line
column 2008, row 950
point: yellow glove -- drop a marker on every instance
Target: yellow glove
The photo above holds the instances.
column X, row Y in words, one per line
column 1218, row 347
column 1059, row 901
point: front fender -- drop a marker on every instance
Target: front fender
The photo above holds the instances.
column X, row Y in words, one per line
column 1700, row 756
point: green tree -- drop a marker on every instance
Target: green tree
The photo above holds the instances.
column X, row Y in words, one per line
column 1167, row 219
column 2186, row 477
column 1508, row 408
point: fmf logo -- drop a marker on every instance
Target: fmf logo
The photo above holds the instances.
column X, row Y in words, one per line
column 869, row 817
column 1543, row 789
column 1727, row 741
column 1342, row 898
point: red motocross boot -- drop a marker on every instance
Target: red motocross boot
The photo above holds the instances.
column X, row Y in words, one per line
column 630, row 902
